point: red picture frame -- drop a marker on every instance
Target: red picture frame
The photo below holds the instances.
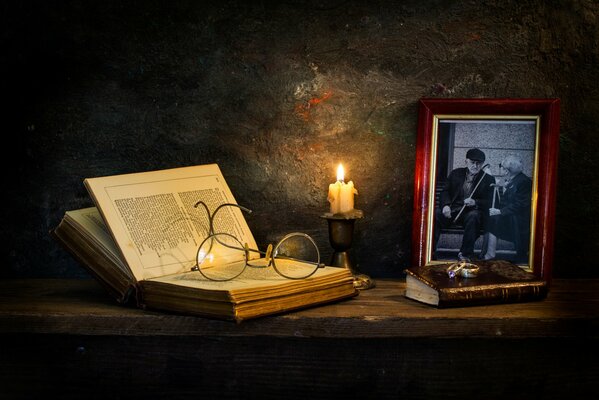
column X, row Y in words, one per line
column 544, row 114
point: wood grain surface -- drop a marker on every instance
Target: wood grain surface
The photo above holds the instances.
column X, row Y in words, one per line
column 69, row 339
column 63, row 306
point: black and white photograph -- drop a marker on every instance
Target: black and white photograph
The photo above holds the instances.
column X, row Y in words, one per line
column 485, row 182
column 484, row 187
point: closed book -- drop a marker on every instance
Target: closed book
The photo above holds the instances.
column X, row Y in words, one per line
column 498, row 281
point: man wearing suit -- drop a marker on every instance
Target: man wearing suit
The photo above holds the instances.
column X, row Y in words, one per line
column 510, row 219
column 465, row 199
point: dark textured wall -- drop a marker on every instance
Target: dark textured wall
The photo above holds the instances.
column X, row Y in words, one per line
column 277, row 93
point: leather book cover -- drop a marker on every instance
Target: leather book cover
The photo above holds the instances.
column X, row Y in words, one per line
column 497, row 281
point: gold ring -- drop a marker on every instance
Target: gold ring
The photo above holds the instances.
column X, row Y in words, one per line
column 463, row 269
column 469, row 271
column 455, row 268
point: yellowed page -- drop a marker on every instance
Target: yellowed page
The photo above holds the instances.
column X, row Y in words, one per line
column 152, row 218
column 252, row 278
column 89, row 222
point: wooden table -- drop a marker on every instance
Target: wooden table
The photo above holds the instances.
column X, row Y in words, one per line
column 68, row 339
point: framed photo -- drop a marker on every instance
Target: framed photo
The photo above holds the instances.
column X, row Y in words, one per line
column 485, row 181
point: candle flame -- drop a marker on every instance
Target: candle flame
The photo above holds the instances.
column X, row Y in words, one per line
column 340, row 173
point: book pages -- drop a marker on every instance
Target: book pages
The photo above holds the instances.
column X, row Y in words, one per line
column 152, row 218
column 252, row 278
column 89, row 224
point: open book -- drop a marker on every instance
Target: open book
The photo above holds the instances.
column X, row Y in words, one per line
column 141, row 241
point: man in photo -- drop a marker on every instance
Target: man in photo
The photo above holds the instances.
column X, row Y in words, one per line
column 509, row 219
column 465, row 200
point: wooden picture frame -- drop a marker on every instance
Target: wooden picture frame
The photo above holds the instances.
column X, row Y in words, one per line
column 527, row 129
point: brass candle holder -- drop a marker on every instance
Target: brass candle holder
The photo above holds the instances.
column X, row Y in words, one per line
column 341, row 232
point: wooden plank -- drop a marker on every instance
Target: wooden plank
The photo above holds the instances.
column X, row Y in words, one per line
column 82, row 307
column 110, row 367
column 69, row 339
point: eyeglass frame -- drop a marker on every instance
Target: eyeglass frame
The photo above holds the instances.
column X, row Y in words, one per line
column 246, row 249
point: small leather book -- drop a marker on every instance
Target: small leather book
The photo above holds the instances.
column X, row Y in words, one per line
column 497, row 281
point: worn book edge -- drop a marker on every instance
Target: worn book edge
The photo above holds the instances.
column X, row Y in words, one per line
column 99, row 261
column 96, row 247
column 123, row 289
column 420, row 289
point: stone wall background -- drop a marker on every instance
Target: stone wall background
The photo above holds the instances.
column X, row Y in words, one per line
column 496, row 141
column 277, row 93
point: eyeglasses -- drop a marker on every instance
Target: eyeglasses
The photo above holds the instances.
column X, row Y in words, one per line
column 222, row 257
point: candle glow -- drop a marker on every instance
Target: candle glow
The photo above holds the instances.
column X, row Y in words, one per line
column 341, row 194
column 340, row 173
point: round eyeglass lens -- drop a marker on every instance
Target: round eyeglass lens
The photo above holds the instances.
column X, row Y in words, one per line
column 296, row 256
column 221, row 257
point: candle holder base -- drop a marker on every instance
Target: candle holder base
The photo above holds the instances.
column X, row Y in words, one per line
column 341, row 231
column 363, row 282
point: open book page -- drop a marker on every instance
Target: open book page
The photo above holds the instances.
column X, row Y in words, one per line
column 152, row 218
column 252, row 278
column 89, row 223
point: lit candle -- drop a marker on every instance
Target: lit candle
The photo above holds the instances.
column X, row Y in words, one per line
column 341, row 194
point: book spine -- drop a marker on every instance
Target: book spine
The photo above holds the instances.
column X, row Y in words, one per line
column 122, row 292
column 491, row 295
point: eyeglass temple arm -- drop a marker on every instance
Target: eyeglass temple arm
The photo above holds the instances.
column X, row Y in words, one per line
column 225, row 205
column 203, row 204
column 211, row 216
column 250, row 250
column 231, row 205
column 219, row 207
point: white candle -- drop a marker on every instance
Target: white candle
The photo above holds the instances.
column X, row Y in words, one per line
column 333, row 196
column 341, row 194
